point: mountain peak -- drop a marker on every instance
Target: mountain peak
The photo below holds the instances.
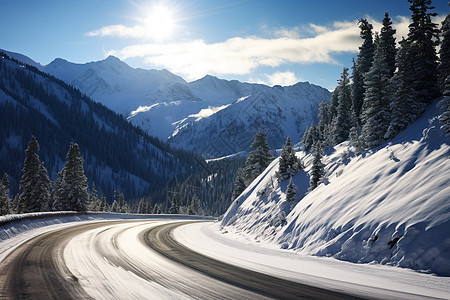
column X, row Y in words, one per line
column 112, row 58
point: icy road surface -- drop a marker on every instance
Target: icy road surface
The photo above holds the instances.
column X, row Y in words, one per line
column 153, row 259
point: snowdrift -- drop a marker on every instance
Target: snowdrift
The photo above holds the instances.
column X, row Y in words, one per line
column 389, row 205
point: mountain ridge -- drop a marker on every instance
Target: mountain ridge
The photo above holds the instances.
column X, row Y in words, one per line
column 166, row 106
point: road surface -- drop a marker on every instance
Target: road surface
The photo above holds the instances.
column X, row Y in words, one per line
column 133, row 259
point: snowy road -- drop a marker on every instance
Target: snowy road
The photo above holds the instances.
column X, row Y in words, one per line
column 136, row 259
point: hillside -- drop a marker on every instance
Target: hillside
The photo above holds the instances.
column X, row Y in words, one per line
column 116, row 154
column 388, row 205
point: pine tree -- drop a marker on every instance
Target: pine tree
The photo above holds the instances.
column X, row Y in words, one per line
column 34, row 185
column 387, row 45
column 445, row 103
column 239, row 185
column 123, row 205
column 288, row 162
column 357, row 91
column 342, row 122
column 142, row 206
column 375, row 115
column 444, row 53
column 258, row 159
column 157, row 209
column 403, row 105
column 72, row 191
column 355, row 133
column 175, row 204
column 104, row 204
column 4, row 197
column 115, row 206
column 324, row 122
column 195, row 207
column 367, row 49
column 290, row 192
column 310, row 136
column 94, row 201
column 423, row 37
column 362, row 66
column 317, row 169
column 5, row 207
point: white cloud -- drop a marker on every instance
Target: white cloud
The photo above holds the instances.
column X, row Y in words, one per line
column 121, row 31
column 282, row 78
column 242, row 55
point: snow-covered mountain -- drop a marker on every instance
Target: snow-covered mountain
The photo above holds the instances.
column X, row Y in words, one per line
column 279, row 111
column 209, row 112
column 119, row 86
column 212, row 116
column 389, row 205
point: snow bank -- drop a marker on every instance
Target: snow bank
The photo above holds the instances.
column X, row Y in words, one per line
column 389, row 205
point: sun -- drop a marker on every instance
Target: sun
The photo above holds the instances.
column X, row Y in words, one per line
column 159, row 23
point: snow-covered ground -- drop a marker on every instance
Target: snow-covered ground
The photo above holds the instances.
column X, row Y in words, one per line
column 371, row 280
column 388, row 206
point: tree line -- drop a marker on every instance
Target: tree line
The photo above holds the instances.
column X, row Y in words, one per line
column 390, row 86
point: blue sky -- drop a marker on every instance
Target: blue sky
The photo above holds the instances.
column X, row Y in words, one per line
column 272, row 42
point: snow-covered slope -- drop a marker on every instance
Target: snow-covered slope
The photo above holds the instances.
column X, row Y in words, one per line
column 279, row 111
column 24, row 59
column 390, row 205
column 119, row 86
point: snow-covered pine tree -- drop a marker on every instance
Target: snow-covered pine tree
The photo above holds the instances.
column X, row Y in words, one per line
column 142, row 206
column 5, row 207
column 290, row 191
column 423, row 37
column 342, row 122
column 34, row 185
column 115, row 206
column 444, row 53
column 72, row 191
column 123, row 205
column 6, row 183
column 195, row 207
column 103, row 204
column 310, row 136
column 157, row 209
column 387, row 45
column 239, row 185
column 94, row 201
column 175, row 204
column 288, row 161
column 362, row 65
column 334, row 104
column 445, row 106
column 375, row 115
column 323, row 126
column 4, row 200
column 355, row 133
column 403, row 105
column 357, row 91
column 317, row 168
column 258, row 159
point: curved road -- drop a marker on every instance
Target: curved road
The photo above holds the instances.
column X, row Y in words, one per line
column 39, row 268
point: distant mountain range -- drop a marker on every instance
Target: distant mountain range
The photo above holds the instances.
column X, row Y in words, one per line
column 117, row 154
column 211, row 116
